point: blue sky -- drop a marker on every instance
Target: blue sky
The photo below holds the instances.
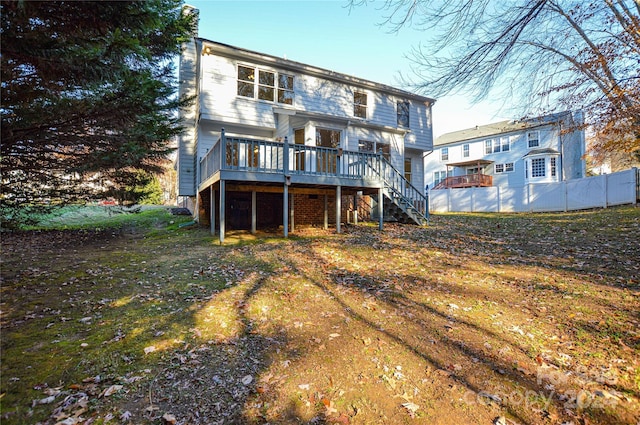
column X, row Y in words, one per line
column 328, row 34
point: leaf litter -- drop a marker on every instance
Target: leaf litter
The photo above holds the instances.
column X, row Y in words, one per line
column 526, row 318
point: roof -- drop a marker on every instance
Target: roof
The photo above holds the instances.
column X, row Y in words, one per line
column 469, row 163
column 497, row 128
column 266, row 59
column 542, row 151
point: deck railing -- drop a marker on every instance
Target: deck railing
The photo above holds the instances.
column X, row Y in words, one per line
column 468, row 180
column 232, row 153
column 276, row 157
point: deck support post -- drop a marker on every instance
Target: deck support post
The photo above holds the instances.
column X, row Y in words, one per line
column 253, row 212
column 222, row 208
column 326, row 212
column 355, row 209
column 338, row 208
column 380, row 208
column 285, row 211
column 287, row 182
column 212, row 209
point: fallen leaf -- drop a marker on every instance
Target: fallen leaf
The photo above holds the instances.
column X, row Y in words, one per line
column 110, row 391
column 125, row 416
column 149, row 349
column 303, row 386
column 169, row 419
column 412, row 408
column 247, row 380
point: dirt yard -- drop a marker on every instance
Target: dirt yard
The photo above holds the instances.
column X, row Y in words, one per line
column 476, row 319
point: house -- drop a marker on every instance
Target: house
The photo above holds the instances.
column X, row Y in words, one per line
column 510, row 153
column 270, row 142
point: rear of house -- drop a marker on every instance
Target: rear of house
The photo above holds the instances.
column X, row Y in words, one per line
column 271, row 142
column 546, row 149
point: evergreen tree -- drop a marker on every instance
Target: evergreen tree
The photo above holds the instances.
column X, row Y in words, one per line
column 88, row 96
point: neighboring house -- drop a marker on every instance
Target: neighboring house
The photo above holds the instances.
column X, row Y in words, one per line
column 509, row 153
column 270, row 142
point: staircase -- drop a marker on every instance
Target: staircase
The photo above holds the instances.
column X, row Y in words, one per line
column 402, row 201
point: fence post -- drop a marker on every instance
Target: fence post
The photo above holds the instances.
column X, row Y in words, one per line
column 605, row 188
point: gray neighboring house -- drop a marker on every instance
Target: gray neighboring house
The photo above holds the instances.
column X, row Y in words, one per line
column 509, row 153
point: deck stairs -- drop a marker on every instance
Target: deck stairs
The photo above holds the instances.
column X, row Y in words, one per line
column 402, row 201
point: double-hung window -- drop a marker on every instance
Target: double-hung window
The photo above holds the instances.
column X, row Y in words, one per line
column 360, row 104
column 552, row 162
column 444, row 154
column 465, row 150
column 504, row 142
column 403, row 114
column 533, row 139
column 265, row 85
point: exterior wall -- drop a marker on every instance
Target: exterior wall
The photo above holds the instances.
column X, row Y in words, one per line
column 186, row 161
column 329, row 102
column 309, row 210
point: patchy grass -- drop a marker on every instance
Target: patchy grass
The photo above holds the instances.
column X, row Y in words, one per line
column 532, row 317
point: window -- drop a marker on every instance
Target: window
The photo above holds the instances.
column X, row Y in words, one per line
column 495, row 146
column 552, row 162
column 403, row 114
column 504, row 141
column 269, row 84
column 407, row 169
column 444, row 154
column 538, row 167
column 367, row 146
column 246, row 80
column 439, row 176
column 285, row 89
column 360, row 104
column 533, row 139
column 503, row 168
column 465, row 150
column 266, row 85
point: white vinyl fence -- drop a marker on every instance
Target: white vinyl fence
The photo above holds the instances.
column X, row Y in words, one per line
column 591, row 192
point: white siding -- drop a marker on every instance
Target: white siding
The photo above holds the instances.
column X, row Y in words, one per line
column 187, row 140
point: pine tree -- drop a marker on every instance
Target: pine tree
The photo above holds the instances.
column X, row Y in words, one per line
column 88, row 96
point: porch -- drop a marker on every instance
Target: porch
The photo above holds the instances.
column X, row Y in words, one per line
column 474, row 176
column 260, row 167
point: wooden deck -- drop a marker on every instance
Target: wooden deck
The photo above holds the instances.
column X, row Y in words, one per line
column 267, row 166
column 469, row 180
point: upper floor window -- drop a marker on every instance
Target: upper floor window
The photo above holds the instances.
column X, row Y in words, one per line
column 533, row 139
column 266, row 85
column 269, row 84
column 444, row 154
column 246, row 81
column 465, row 150
column 504, row 143
column 403, row 114
column 360, row 104
column 285, row 89
column 497, row 145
